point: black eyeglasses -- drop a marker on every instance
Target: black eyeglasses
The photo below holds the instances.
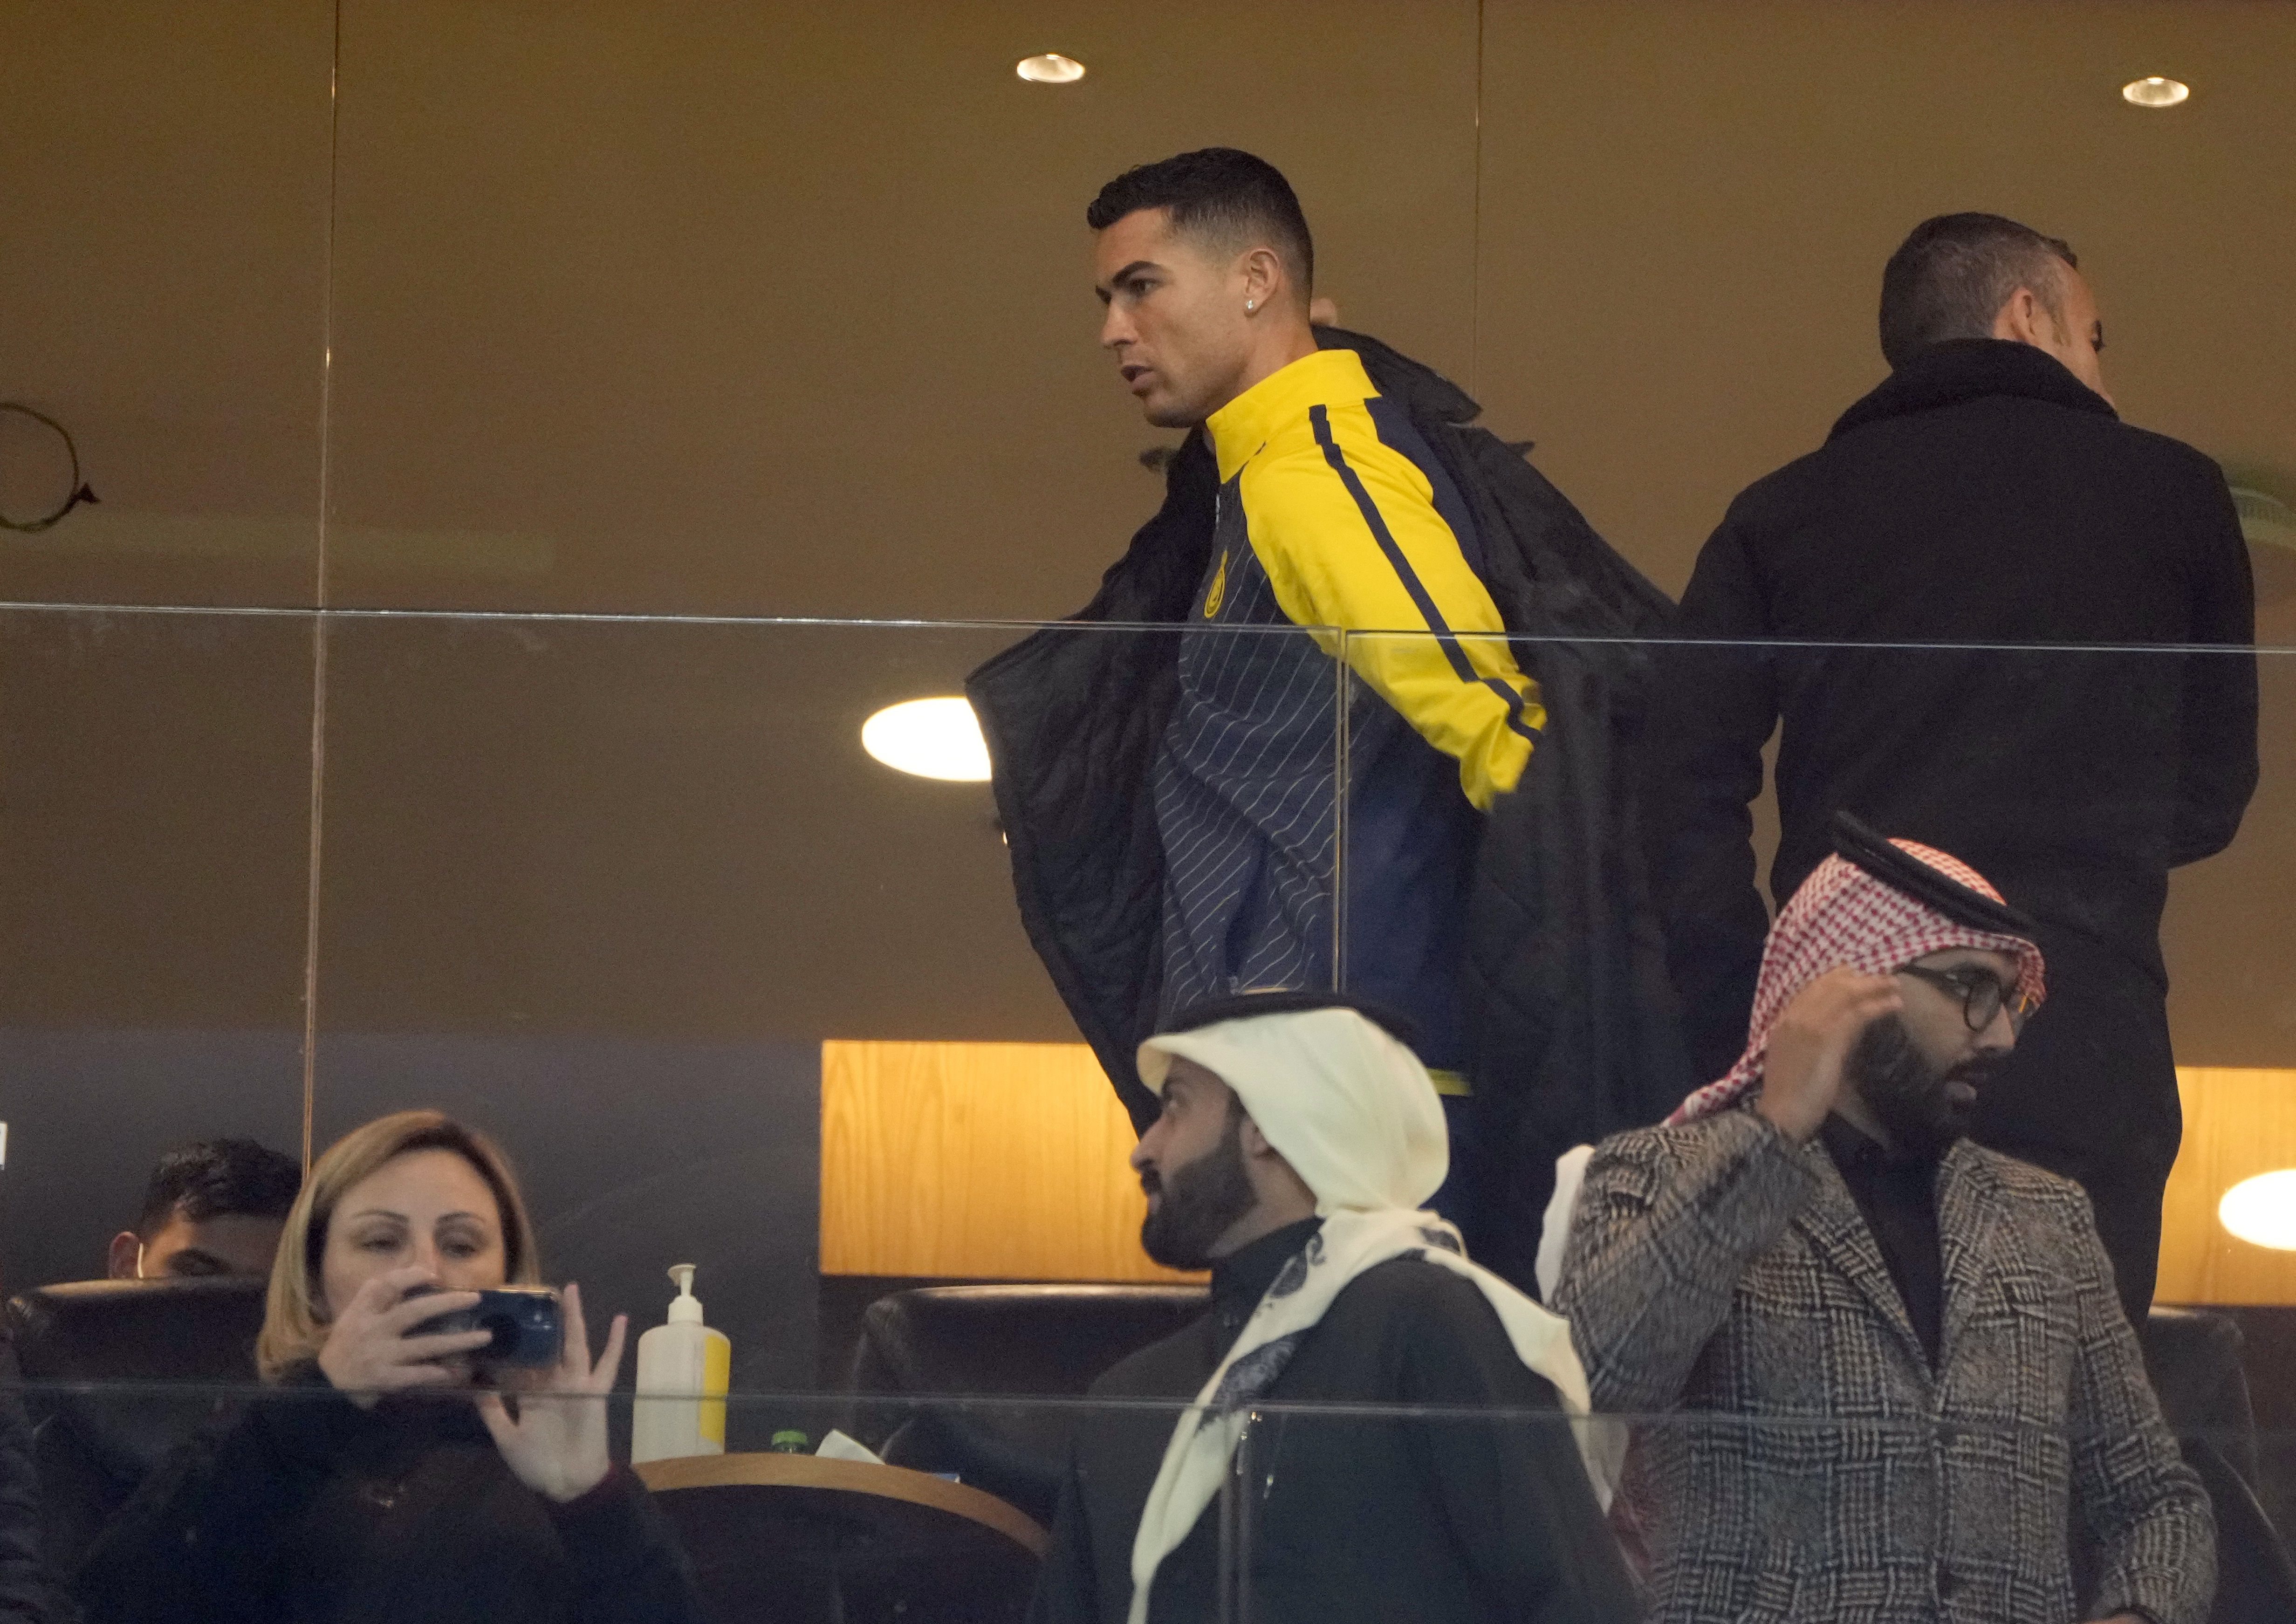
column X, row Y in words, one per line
column 1982, row 996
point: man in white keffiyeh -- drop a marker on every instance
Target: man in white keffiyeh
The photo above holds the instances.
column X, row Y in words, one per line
column 1298, row 1140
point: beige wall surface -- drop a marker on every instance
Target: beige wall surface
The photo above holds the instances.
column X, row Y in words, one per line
column 164, row 179
column 596, row 306
column 1686, row 210
column 783, row 310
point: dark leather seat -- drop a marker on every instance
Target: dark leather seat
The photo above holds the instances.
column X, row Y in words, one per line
column 94, row 1446
column 2193, row 1357
column 993, row 1341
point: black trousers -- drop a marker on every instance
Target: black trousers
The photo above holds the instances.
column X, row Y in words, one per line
column 2091, row 1094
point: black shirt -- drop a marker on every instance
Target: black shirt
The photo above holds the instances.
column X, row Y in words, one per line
column 1242, row 1278
column 1897, row 1195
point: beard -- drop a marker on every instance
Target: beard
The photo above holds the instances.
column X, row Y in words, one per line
column 1199, row 1203
column 1908, row 1096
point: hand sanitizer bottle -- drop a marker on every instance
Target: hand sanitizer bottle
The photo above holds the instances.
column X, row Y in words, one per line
column 683, row 1371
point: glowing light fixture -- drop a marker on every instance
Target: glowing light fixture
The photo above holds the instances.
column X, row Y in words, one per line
column 934, row 738
column 1050, row 69
column 2262, row 1210
column 2154, row 91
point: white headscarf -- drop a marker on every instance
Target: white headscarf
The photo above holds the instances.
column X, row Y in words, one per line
column 1355, row 1114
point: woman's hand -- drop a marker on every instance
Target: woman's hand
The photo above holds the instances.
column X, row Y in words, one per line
column 369, row 1351
column 556, row 1442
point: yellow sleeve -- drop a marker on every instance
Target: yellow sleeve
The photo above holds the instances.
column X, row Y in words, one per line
column 1348, row 531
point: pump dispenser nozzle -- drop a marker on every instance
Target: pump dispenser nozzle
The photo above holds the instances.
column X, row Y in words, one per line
column 683, row 1369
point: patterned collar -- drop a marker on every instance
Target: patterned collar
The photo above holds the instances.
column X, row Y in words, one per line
column 1242, row 1278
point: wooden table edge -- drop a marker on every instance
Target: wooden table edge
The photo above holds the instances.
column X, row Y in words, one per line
column 768, row 1471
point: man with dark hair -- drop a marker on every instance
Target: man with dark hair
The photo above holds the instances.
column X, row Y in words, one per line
column 1297, row 1140
column 1883, row 597
column 1964, row 275
column 213, row 1207
column 1174, row 804
column 1328, row 520
column 1887, row 1371
column 1230, row 202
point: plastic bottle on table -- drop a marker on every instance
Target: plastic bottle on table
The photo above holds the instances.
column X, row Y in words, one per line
column 683, row 1368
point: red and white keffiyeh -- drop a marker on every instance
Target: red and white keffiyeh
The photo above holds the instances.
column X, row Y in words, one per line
column 1843, row 915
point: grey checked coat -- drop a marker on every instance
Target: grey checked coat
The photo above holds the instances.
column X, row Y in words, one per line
column 1803, row 1462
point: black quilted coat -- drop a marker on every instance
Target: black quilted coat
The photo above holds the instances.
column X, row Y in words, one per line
column 1571, row 1021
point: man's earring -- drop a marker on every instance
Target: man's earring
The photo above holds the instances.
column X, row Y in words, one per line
column 1250, row 304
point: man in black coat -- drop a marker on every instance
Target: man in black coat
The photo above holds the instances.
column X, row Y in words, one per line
column 1984, row 500
column 1297, row 1141
column 1517, row 930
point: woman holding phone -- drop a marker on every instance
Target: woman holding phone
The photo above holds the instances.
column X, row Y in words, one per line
column 389, row 1478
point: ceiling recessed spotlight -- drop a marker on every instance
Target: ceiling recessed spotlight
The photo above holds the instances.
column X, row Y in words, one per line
column 934, row 738
column 1050, row 69
column 2262, row 1209
column 2154, row 91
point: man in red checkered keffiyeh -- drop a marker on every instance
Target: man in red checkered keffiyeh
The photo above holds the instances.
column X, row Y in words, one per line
column 1870, row 911
column 1845, row 916
column 1884, row 1314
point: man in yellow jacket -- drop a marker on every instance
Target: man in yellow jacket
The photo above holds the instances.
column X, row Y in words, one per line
column 1334, row 516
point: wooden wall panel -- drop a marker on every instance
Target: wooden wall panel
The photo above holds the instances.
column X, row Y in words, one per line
column 2238, row 1123
column 980, row 1160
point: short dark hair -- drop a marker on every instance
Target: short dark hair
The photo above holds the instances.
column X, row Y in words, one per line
column 1217, row 192
column 1950, row 279
column 217, row 1179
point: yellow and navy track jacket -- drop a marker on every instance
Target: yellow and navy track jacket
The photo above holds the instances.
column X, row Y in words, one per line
column 1333, row 513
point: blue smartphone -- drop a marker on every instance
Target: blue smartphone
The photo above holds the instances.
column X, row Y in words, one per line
column 524, row 1320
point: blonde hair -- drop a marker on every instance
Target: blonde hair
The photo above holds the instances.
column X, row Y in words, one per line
column 294, row 1316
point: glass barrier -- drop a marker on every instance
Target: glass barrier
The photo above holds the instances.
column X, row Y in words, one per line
column 2138, row 803
column 735, row 992
column 634, row 896
column 1431, row 1513
column 155, row 784
column 972, row 1507
column 213, row 1500
column 642, row 899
